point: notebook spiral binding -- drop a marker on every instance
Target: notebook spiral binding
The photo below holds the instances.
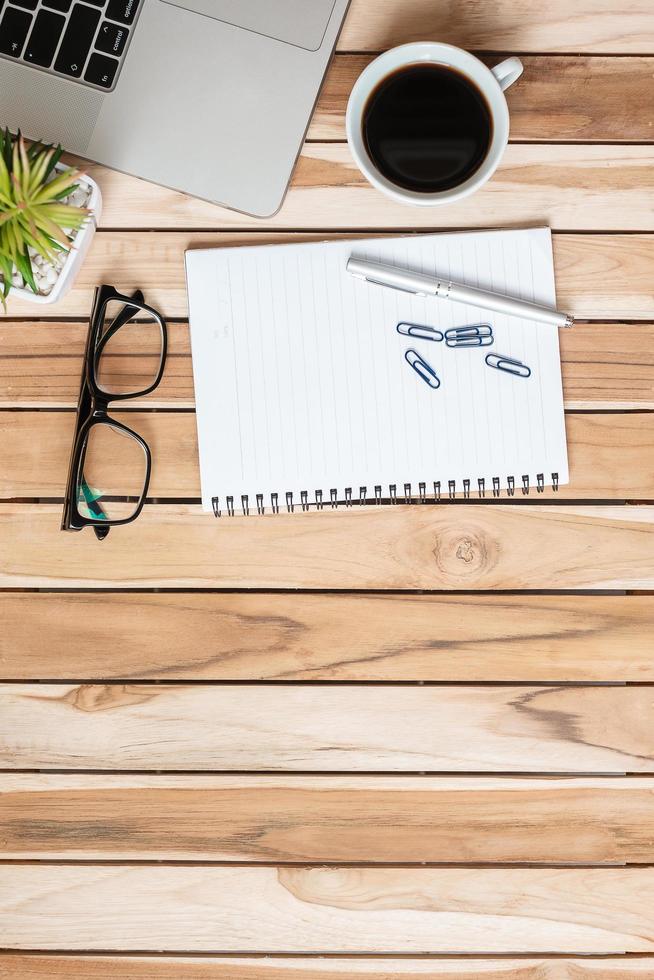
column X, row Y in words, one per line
column 320, row 501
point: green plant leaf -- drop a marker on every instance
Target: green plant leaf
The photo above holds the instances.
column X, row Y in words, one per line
column 64, row 215
column 7, row 268
column 34, row 214
column 62, row 182
column 50, row 228
column 24, row 266
column 58, row 152
column 39, row 169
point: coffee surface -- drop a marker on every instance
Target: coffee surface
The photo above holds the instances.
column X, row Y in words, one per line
column 426, row 127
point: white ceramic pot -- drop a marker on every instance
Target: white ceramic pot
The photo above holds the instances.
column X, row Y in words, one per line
column 75, row 256
column 491, row 82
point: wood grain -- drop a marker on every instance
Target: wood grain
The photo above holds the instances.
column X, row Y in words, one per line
column 327, row 728
column 559, row 98
column 568, row 187
column 605, row 366
column 258, row 636
column 611, row 457
column 598, row 277
column 468, row 547
column 326, row 820
column 18, row 966
column 333, row 910
column 518, row 25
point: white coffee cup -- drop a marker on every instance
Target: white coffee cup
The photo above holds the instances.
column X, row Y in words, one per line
column 491, row 82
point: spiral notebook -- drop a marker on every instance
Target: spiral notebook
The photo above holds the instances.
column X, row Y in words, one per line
column 305, row 399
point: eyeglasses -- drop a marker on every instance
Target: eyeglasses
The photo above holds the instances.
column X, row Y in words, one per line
column 110, row 464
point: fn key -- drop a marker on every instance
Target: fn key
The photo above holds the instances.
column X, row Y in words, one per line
column 101, row 70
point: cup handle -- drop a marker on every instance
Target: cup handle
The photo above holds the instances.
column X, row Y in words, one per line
column 508, row 72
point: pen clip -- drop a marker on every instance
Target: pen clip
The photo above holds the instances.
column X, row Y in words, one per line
column 389, row 285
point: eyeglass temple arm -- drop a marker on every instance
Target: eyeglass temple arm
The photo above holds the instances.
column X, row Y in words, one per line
column 119, row 321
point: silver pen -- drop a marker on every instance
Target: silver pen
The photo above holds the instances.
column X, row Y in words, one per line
column 422, row 285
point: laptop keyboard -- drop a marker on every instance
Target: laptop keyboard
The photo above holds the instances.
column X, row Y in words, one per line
column 81, row 41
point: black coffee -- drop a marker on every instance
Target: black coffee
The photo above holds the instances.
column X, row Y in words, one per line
column 426, row 128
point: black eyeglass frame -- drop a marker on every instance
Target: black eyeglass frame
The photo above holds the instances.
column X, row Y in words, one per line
column 94, row 401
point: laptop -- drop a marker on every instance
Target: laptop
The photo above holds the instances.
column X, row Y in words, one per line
column 209, row 97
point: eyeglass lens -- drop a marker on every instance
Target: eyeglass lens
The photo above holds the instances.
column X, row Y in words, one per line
column 112, row 477
column 129, row 350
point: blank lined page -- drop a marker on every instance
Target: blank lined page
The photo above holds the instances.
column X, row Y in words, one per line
column 301, row 381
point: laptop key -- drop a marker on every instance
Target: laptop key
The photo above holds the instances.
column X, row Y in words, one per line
column 124, row 11
column 44, row 38
column 13, row 31
column 77, row 40
column 28, row 4
column 62, row 5
column 111, row 38
column 101, row 70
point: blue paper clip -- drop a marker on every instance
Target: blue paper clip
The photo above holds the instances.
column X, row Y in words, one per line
column 422, row 369
column 474, row 335
column 507, row 364
column 419, row 330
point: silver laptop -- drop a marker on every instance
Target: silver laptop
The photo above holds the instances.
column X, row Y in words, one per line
column 210, row 97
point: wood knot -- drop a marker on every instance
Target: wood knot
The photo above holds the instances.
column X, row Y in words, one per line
column 466, row 551
column 464, row 554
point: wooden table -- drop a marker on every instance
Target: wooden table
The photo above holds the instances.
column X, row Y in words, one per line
column 418, row 740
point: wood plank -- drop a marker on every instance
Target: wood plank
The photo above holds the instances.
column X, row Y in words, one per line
column 468, row 547
column 588, row 25
column 19, row 966
column 326, row 820
column 327, row 728
column 605, row 366
column 611, row 456
column 598, row 277
column 568, row 187
column 258, row 636
column 558, row 98
column 333, row 910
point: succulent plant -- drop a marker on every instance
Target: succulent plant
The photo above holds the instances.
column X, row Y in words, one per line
column 33, row 214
